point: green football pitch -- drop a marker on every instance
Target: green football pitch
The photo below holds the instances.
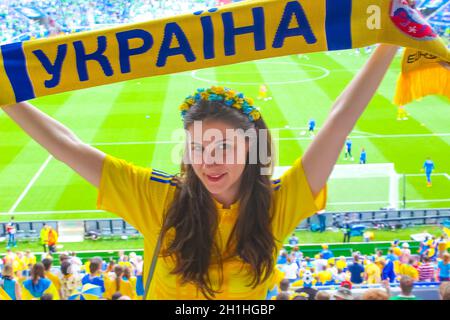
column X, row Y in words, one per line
column 136, row 120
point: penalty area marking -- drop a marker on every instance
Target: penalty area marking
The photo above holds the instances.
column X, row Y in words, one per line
column 325, row 74
column 30, row 184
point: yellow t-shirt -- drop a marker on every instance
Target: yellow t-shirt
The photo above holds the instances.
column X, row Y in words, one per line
column 127, row 288
column 126, row 264
column 30, row 260
column 442, row 246
column 324, row 276
column 141, row 196
column 341, row 264
column 373, row 273
column 54, row 279
column 408, row 270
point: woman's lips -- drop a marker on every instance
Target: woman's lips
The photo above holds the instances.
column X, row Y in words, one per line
column 214, row 177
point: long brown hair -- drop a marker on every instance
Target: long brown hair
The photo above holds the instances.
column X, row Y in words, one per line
column 37, row 272
column 193, row 214
column 118, row 270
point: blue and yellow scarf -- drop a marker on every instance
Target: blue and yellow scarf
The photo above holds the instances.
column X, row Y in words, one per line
column 243, row 31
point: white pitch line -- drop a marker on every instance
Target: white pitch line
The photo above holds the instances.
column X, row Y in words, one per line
column 423, row 174
column 387, row 136
column 30, row 184
column 52, row 212
column 317, row 129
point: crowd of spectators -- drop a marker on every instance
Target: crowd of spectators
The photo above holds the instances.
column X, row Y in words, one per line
column 65, row 16
column 23, row 278
column 430, row 265
column 300, row 277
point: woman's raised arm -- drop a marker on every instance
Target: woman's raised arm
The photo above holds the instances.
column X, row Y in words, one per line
column 321, row 156
column 59, row 141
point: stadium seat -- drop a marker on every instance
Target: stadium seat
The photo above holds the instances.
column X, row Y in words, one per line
column 106, row 233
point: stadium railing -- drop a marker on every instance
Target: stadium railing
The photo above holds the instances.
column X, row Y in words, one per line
column 119, row 228
column 408, row 217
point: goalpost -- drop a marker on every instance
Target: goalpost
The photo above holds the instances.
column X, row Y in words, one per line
column 364, row 171
column 367, row 171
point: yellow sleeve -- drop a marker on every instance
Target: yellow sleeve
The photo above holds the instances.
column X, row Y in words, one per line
column 138, row 195
column 4, row 295
column 128, row 289
column 26, row 295
column 110, row 288
column 293, row 200
column 53, row 291
column 54, row 279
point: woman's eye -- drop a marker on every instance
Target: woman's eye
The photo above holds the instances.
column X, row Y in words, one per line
column 197, row 148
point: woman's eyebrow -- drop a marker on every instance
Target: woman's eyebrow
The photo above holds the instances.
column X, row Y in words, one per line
column 215, row 142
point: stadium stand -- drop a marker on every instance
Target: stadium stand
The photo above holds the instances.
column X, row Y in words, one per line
column 37, row 19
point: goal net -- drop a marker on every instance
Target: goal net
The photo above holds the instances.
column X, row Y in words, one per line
column 360, row 186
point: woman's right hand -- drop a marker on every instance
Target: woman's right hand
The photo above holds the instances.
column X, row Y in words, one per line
column 58, row 140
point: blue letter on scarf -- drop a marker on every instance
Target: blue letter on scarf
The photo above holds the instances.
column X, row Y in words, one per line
column 173, row 29
column 231, row 31
column 98, row 56
column 124, row 46
column 208, row 37
column 52, row 69
column 304, row 29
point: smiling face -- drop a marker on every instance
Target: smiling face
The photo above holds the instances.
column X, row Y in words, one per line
column 217, row 153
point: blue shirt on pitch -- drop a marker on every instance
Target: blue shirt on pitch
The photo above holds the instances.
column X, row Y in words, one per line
column 363, row 156
column 428, row 166
column 312, row 124
column 349, row 144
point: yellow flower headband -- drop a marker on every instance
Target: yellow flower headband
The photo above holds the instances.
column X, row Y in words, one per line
column 229, row 97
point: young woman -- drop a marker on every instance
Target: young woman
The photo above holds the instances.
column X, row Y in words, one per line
column 120, row 282
column 69, row 280
column 10, row 285
column 38, row 285
column 221, row 224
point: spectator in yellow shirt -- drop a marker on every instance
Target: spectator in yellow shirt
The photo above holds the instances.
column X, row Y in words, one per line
column 119, row 284
column 442, row 244
column 373, row 272
column 341, row 263
column 44, row 237
column 407, row 269
column 35, row 287
column 30, row 258
column 49, row 275
column 324, row 276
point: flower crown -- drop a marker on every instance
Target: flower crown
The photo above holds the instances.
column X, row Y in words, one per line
column 229, row 97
